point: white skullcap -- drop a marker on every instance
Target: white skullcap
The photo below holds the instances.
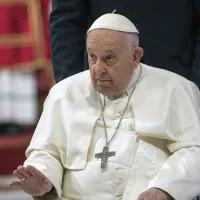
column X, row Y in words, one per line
column 115, row 22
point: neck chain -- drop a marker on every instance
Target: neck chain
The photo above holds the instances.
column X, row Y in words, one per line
column 105, row 154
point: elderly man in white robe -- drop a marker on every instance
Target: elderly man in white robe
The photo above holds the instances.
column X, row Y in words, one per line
column 120, row 131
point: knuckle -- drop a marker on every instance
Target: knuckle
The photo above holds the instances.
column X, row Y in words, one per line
column 140, row 197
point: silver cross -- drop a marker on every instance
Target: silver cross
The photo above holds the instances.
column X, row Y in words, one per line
column 104, row 156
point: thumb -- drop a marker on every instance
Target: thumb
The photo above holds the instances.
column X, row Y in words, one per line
column 15, row 184
column 46, row 184
column 141, row 197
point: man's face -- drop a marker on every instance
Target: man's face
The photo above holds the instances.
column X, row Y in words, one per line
column 111, row 61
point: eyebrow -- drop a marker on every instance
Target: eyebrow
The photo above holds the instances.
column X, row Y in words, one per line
column 110, row 51
column 89, row 49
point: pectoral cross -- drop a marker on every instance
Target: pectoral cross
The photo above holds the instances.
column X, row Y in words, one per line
column 104, row 156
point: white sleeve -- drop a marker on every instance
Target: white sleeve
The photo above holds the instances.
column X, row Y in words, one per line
column 46, row 151
column 180, row 174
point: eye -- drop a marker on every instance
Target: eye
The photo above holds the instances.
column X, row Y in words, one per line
column 92, row 57
column 108, row 58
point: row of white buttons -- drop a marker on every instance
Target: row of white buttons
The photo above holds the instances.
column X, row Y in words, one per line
column 118, row 114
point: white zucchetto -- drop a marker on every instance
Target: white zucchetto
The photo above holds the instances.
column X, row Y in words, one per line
column 115, row 22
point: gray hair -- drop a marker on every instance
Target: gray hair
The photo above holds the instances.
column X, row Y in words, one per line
column 132, row 40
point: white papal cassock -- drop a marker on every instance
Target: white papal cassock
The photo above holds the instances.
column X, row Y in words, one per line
column 157, row 144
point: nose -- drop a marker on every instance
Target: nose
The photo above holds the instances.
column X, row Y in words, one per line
column 99, row 69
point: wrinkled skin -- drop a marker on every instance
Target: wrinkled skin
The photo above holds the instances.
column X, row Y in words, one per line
column 35, row 184
column 112, row 60
column 154, row 194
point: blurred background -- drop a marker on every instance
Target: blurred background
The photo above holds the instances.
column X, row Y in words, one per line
column 25, row 78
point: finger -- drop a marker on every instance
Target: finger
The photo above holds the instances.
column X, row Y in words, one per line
column 24, row 172
column 15, row 184
column 18, row 175
column 33, row 171
column 145, row 197
column 46, row 184
column 141, row 197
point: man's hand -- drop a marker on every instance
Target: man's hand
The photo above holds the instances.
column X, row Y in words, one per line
column 31, row 181
column 154, row 194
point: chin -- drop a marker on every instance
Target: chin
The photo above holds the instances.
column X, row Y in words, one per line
column 103, row 90
column 106, row 91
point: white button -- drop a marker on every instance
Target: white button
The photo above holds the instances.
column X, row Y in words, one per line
column 118, row 115
column 119, row 195
column 116, row 102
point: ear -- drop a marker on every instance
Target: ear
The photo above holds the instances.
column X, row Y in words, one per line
column 137, row 56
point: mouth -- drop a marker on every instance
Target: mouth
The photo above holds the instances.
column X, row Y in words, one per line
column 101, row 80
column 103, row 83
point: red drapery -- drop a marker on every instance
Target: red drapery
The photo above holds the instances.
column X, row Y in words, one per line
column 24, row 34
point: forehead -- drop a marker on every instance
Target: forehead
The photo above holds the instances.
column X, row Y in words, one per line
column 103, row 38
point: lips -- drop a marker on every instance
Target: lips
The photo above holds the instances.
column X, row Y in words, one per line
column 105, row 83
column 102, row 80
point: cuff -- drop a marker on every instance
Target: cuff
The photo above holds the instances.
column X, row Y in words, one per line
column 52, row 195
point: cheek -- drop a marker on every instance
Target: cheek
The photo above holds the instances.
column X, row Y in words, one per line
column 92, row 74
column 120, row 74
column 114, row 73
column 91, row 68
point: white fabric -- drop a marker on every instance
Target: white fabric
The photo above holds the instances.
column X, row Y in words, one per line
column 115, row 22
column 112, row 181
column 18, row 103
column 93, row 183
column 167, row 123
column 114, row 110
